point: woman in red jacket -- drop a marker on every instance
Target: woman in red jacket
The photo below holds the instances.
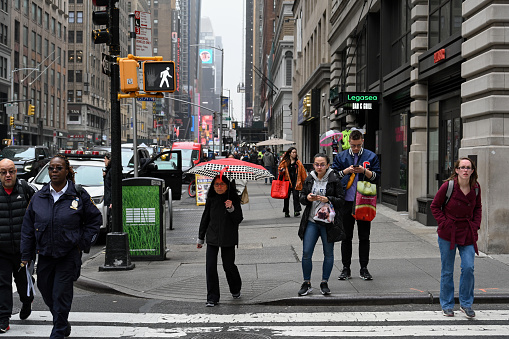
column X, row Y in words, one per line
column 294, row 172
column 458, row 219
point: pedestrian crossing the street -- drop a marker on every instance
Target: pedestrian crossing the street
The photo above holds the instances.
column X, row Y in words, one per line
column 488, row 323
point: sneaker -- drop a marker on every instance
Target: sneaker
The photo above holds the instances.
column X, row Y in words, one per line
column 297, row 214
column 345, row 274
column 448, row 312
column 287, row 215
column 236, row 295
column 305, row 288
column 469, row 312
column 324, row 288
column 67, row 330
column 4, row 326
column 211, row 304
column 26, row 310
column 364, row 274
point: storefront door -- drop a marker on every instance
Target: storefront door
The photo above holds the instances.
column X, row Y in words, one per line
column 450, row 141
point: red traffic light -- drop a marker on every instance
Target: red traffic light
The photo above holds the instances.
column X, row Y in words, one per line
column 100, row 3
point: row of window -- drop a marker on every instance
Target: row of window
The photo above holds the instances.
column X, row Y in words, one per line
column 3, row 34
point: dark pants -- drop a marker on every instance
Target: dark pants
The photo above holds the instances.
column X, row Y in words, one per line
column 296, row 204
column 55, row 278
column 10, row 267
column 231, row 270
column 363, row 231
column 271, row 170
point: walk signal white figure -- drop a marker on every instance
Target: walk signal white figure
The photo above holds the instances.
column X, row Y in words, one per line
column 164, row 77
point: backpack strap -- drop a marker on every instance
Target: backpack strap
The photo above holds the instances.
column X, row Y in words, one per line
column 28, row 190
column 450, row 186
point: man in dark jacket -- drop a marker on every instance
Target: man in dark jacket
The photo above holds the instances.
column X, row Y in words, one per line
column 268, row 163
column 14, row 199
column 350, row 165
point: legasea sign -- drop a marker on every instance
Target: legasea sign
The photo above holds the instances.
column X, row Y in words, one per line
column 359, row 100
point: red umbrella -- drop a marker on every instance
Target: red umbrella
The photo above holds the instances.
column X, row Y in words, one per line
column 232, row 169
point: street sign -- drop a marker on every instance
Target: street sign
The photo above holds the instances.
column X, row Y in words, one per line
column 11, row 109
column 158, row 76
column 145, row 99
column 105, row 64
column 143, row 30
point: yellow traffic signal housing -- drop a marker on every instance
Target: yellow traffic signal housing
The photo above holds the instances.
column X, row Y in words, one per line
column 31, row 110
column 128, row 75
column 11, row 121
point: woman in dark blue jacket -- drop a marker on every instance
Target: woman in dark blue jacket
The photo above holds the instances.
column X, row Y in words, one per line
column 59, row 224
column 220, row 227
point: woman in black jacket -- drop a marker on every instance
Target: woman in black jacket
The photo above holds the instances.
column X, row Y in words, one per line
column 220, row 225
column 322, row 185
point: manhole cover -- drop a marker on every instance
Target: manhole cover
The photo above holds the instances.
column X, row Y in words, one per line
column 230, row 335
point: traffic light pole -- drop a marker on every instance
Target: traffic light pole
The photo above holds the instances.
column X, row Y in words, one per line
column 132, row 35
column 117, row 255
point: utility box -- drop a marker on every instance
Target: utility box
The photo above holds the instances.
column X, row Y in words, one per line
column 128, row 75
column 143, row 209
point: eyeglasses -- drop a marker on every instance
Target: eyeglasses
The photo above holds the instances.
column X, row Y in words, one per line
column 56, row 168
column 219, row 184
column 465, row 168
column 319, row 165
column 11, row 172
column 355, row 146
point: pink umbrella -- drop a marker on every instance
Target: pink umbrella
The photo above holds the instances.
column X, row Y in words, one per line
column 327, row 139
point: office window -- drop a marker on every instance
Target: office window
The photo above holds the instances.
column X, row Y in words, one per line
column 46, row 48
column 16, row 4
column 59, row 55
column 71, row 55
column 59, row 30
column 3, row 34
column 63, row 59
column 79, row 56
column 70, row 96
column 25, row 36
column 58, row 80
column 25, row 7
column 79, row 17
column 39, row 44
column 53, row 25
column 34, row 12
column 71, row 17
column 65, row 33
column 39, row 16
column 52, row 77
column 52, row 111
column 46, row 21
column 70, row 76
column 445, row 20
column 79, row 75
column 52, row 51
column 16, row 30
column 33, row 41
column 78, row 96
column 79, row 37
column 70, row 37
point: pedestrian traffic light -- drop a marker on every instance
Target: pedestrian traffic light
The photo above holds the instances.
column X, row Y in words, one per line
column 31, row 110
column 158, row 76
column 109, row 18
column 234, row 124
column 128, row 75
column 11, row 122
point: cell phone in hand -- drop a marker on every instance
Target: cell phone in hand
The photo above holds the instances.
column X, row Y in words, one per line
column 355, row 165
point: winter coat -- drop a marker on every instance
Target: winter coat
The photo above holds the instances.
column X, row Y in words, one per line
column 367, row 159
column 301, row 173
column 460, row 220
column 268, row 159
column 55, row 228
column 333, row 192
column 12, row 210
column 218, row 226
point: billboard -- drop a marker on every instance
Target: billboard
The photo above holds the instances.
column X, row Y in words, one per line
column 206, row 56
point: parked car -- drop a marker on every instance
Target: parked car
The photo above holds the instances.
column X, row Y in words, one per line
column 89, row 174
column 127, row 157
column 28, row 159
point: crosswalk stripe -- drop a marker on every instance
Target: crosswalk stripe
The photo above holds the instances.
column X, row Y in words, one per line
column 320, row 317
column 36, row 331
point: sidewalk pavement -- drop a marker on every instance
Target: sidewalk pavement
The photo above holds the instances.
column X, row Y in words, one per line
column 404, row 262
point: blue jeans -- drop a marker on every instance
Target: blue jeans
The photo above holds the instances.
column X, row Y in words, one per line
column 313, row 231
column 466, row 292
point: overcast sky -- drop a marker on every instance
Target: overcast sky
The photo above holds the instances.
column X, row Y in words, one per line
column 226, row 18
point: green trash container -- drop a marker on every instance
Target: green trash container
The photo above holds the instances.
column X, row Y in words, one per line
column 143, row 217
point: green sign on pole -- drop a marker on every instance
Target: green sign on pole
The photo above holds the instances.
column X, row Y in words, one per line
column 142, row 217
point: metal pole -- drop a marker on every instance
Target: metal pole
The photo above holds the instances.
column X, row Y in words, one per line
column 221, row 106
column 135, row 121
column 12, row 98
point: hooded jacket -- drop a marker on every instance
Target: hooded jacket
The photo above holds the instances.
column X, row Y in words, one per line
column 55, row 228
column 333, row 192
column 367, row 159
column 218, row 226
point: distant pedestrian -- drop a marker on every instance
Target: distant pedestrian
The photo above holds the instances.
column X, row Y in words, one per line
column 15, row 195
column 459, row 220
column 321, row 188
column 60, row 223
column 219, row 226
column 353, row 164
column 293, row 171
column 268, row 163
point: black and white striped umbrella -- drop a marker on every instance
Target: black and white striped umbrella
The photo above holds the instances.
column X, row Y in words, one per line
column 232, row 169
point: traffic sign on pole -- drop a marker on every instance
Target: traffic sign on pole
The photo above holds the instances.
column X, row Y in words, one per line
column 158, row 76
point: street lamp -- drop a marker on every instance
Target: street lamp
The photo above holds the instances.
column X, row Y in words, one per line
column 220, row 103
column 12, row 90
